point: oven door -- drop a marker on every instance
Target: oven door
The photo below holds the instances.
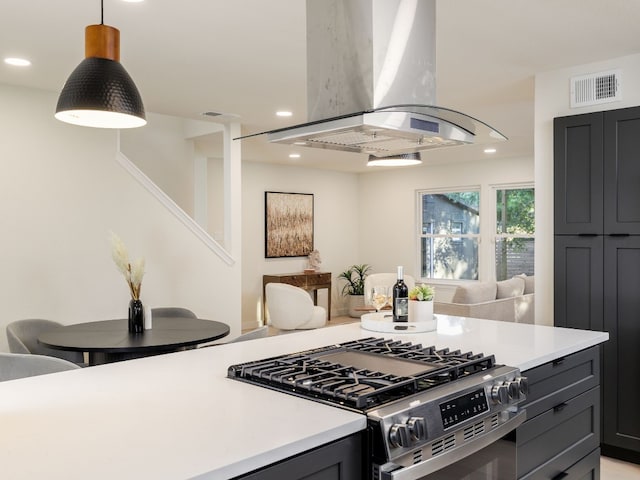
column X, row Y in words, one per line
column 492, row 457
column 494, row 462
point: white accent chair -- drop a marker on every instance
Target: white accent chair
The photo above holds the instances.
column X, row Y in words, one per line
column 384, row 280
column 21, row 365
column 291, row 308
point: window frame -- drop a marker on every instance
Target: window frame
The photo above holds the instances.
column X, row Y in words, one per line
column 435, row 191
column 487, row 228
column 494, row 221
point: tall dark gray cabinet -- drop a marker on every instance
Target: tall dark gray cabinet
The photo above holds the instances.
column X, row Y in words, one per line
column 597, row 256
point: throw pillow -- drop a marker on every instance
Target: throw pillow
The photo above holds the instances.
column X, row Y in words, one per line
column 529, row 283
column 476, row 293
column 510, row 288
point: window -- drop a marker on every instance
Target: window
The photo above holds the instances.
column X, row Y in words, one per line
column 515, row 229
column 451, row 245
column 449, row 234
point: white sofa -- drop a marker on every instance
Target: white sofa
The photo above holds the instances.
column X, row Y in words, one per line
column 509, row 300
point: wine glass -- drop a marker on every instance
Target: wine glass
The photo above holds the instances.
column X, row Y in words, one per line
column 379, row 296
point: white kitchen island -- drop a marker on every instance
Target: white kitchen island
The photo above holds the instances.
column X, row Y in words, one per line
column 177, row 416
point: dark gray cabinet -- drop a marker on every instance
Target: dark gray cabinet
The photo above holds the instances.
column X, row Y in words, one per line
column 561, row 436
column 578, row 169
column 621, row 429
column 339, row 460
column 622, row 172
column 597, row 256
column 578, row 281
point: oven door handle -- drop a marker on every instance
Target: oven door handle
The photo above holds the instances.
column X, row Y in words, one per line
column 433, row 464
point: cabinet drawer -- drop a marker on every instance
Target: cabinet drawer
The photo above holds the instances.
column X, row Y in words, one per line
column 340, row 460
column 559, row 437
column 318, row 278
column 295, row 280
column 558, row 381
column 588, row 468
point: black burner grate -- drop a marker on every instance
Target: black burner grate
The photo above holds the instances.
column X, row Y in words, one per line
column 400, row 369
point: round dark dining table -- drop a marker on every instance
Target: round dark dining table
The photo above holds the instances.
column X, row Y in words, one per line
column 109, row 341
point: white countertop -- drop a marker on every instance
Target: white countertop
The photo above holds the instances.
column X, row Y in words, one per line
column 177, row 416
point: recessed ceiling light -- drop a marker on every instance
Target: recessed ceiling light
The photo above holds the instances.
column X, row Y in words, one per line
column 17, row 62
column 490, row 150
column 294, row 155
column 284, row 113
column 133, row 1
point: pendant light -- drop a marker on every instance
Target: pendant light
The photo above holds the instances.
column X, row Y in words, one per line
column 400, row 160
column 99, row 92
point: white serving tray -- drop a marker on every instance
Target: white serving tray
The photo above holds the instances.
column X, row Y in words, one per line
column 383, row 322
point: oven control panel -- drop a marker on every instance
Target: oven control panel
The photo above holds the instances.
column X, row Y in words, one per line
column 464, row 407
column 438, row 413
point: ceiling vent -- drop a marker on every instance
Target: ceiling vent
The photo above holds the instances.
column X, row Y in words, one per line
column 596, row 88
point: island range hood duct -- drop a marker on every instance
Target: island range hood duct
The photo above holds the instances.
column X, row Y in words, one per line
column 371, row 82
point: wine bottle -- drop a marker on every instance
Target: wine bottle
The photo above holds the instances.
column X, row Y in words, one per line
column 400, row 299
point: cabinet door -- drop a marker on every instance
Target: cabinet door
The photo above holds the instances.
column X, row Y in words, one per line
column 621, row 379
column 622, row 171
column 578, row 170
column 578, row 282
column 340, row 460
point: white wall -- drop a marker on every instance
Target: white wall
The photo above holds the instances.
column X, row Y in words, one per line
column 336, row 219
column 62, row 191
column 162, row 152
column 552, row 100
column 359, row 218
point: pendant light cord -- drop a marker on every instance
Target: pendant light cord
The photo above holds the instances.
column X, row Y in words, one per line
column 101, row 12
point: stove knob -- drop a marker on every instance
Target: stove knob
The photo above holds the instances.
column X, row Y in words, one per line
column 514, row 390
column 417, row 428
column 523, row 384
column 500, row 393
column 399, row 435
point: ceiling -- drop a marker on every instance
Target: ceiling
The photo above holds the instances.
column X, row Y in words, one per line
column 247, row 59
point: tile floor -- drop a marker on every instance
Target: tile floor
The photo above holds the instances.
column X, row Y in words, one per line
column 612, row 469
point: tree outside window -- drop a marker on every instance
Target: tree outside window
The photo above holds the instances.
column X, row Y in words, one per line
column 515, row 230
column 449, row 235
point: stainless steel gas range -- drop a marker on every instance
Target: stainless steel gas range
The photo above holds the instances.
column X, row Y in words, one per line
column 428, row 411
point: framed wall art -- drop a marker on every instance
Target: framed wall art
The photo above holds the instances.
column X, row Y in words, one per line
column 288, row 222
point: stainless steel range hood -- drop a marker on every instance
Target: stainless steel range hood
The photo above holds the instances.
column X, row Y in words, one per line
column 371, row 82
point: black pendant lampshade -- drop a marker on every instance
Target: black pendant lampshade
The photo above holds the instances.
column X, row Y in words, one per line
column 99, row 92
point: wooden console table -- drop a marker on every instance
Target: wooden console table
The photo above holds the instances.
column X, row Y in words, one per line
column 308, row 281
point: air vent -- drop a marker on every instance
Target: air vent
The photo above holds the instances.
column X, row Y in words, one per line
column 443, row 444
column 495, row 421
column 211, row 114
column 596, row 88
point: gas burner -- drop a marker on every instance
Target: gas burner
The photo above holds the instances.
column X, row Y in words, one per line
column 362, row 374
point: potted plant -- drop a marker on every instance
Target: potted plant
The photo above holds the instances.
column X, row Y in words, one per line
column 354, row 287
column 421, row 304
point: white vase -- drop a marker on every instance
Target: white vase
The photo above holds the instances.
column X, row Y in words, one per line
column 422, row 312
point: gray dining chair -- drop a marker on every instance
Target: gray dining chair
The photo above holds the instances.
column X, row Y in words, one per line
column 172, row 312
column 260, row 332
column 21, row 365
column 22, row 336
